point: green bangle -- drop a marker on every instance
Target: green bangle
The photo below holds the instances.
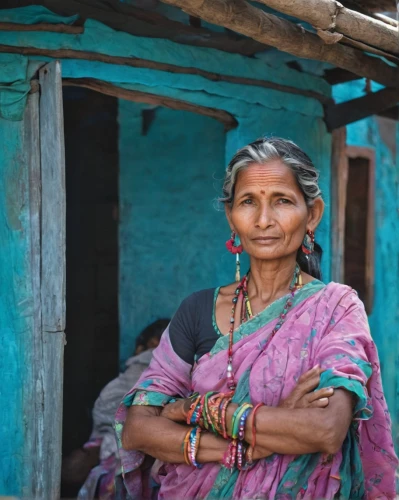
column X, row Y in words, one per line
column 235, row 421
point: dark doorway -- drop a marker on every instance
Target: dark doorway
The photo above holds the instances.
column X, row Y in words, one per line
column 91, row 353
column 359, row 235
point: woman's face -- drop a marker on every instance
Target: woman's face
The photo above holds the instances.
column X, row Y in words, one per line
column 269, row 212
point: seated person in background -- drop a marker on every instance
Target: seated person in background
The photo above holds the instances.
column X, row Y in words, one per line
column 98, row 461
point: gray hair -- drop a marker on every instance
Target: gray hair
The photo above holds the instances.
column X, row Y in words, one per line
column 274, row 148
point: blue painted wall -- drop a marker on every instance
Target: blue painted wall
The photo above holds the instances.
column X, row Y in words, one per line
column 382, row 135
column 17, row 388
column 171, row 234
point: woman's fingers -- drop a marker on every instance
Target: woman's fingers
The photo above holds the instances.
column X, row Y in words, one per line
column 326, row 392
column 319, row 403
column 306, row 375
column 308, row 385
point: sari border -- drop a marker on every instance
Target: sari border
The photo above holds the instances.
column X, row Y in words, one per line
column 266, row 316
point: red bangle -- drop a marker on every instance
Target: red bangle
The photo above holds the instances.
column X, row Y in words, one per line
column 253, row 443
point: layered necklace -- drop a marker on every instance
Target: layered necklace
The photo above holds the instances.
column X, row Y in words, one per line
column 241, row 295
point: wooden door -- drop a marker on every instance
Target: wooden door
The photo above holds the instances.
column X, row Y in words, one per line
column 44, row 146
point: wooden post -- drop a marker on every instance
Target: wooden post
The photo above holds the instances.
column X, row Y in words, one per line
column 52, row 272
column 339, row 180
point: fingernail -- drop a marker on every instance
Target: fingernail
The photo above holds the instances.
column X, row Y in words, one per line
column 330, row 389
column 316, row 367
column 324, row 399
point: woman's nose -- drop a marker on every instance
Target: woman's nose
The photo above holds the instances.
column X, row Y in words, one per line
column 264, row 217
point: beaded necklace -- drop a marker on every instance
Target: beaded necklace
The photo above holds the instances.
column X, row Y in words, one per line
column 246, row 314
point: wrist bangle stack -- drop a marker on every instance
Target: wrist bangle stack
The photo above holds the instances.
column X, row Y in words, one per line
column 190, row 447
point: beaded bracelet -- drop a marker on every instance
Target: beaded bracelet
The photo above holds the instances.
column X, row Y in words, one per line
column 235, row 423
column 229, row 458
column 241, row 446
column 194, row 441
column 192, row 412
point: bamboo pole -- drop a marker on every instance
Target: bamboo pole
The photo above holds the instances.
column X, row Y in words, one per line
column 332, row 15
column 242, row 17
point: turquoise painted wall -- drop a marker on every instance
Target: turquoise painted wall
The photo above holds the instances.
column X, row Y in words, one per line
column 383, row 136
column 17, row 387
column 171, row 234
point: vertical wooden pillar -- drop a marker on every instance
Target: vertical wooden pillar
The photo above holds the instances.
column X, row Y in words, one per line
column 52, row 271
column 339, row 180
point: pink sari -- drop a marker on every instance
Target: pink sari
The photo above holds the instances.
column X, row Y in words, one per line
column 327, row 325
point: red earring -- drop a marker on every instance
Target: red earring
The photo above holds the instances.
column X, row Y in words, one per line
column 231, row 244
column 308, row 242
column 235, row 249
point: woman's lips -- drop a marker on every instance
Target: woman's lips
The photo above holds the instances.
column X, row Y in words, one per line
column 265, row 240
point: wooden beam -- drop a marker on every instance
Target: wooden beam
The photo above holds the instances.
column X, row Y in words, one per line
column 338, row 75
column 386, row 19
column 227, row 119
column 242, row 17
column 339, row 115
column 374, row 5
column 367, row 48
column 144, row 63
column 55, row 28
column 139, row 22
column 392, row 113
column 331, row 15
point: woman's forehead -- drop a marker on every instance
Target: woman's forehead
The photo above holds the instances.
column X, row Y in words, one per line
column 266, row 175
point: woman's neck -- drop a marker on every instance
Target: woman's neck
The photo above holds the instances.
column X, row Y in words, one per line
column 270, row 280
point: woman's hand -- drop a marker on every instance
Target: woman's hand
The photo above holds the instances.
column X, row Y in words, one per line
column 177, row 412
column 303, row 395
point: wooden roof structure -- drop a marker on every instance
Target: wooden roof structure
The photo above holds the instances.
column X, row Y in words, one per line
column 354, row 36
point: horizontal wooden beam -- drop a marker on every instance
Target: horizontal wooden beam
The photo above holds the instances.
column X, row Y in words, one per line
column 144, row 63
column 227, row 119
column 55, row 28
column 140, row 22
column 338, row 75
column 339, row 115
column 242, row 17
column 330, row 15
column 392, row 113
column 374, row 5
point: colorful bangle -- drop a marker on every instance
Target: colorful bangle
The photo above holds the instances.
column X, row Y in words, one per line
column 185, row 446
column 241, row 447
column 194, row 441
column 235, row 423
column 223, row 413
column 191, row 412
column 253, row 442
column 229, row 458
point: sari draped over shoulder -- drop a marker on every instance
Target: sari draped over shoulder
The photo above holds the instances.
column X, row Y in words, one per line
column 327, row 325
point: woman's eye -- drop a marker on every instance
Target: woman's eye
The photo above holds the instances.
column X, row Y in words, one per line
column 284, row 201
column 247, row 201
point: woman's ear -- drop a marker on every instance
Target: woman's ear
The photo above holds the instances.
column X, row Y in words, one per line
column 315, row 214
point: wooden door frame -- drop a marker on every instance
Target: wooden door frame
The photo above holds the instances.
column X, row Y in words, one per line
column 341, row 153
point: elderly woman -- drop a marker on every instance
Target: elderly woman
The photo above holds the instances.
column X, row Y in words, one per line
column 268, row 387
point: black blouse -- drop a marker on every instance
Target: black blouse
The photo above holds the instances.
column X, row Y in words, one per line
column 192, row 331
